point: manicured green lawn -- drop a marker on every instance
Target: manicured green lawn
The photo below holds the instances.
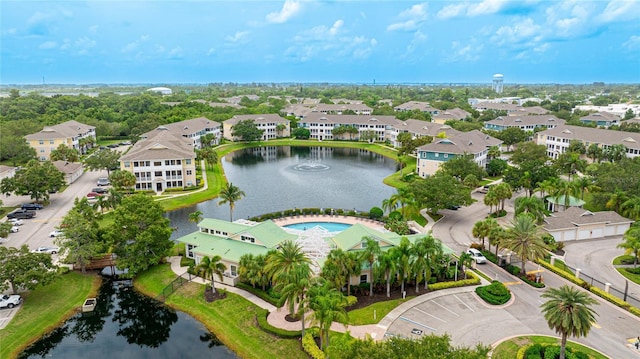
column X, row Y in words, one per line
column 626, row 258
column 509, row 348
column 364, row 316
column 232, row 320
column 44, row 309
column 630, row 276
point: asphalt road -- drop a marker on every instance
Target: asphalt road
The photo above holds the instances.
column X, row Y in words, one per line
column 473, row 323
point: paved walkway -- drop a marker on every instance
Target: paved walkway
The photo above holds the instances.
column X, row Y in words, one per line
column 277, row 315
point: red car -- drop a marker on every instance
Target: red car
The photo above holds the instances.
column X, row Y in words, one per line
column 94, row 194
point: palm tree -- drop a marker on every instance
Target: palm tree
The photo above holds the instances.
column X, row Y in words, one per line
column 525, row 239
column 403, row 197
column 387, row 264
column 568, row 311
column 631, row 208
column 585, row 184
column 341, row 266
column 195, row 217
column 503, row 192
column 230, row 194
column 631, row 243
column 328, row 305
column 616, row 199
column 403, row 254
column 370, row 254
column 594, row 152
column 465, row 262
column 491, row 199
column 251, row 269
column 547, row 186
column 210, row 267
column 293, row 292
column 481, row 231
column 283, row 263
column 389, row 204
column 532, row 205
column 566, row 189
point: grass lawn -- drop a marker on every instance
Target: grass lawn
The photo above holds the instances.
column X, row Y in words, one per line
column 509, row 348
column 44, row 309
column 231, row 319
column 364, row 316
column 627, row 259
column 562, row 266
column 630, row 276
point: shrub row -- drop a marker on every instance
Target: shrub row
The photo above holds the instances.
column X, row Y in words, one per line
column 258, row 292
column 263, row 323
column 512, row 270
column 633, row 270
column 312, row 211
column 309, row 344
column 495, row 293
column 547, row 351
column 471, row 280
column 595, row 290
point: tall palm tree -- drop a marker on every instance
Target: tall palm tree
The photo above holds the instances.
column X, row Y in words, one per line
column 230, row 194
column 480, row 230
column 293, row 291
column 387, row 264
column 568, row 311
column 503, row 192
column 491, row 199
column 403, row 254
column 532, row 205
column 585, row 184
column 389, row 204
column 547, row 186
column 210, row 267
column 631, row 208
column 370, row 254
column 341, row 266
column 566, row 189
column 616, row 199
column 404, row 197
column 195, row 217
column 328, row 305
column 425, row 250
column 524, row 237
column 632, row 243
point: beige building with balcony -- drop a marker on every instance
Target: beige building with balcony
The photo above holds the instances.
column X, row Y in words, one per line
column 269, row 123
column 70, row 134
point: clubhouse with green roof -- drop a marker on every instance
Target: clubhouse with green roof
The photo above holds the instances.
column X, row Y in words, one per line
column 232, row 240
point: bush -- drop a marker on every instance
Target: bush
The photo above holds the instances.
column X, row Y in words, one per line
column 375, row 213
column 263, row 323
column 395, row 215
column 633, row 270
column 309, row 345
column 495, row 293
column 268, row 297
column 534, row 351
column 471, row 280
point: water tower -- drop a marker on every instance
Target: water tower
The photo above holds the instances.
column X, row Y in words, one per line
column 498, row 84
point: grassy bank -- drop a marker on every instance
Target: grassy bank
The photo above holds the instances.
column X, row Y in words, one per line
column 232, row 320
column 44, row 309
column 508, row 348
column 364, row 316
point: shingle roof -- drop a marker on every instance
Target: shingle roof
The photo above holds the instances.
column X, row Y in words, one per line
column 341, row 107
column 537, row 120
column 187, row 127
column 600, row 116
column 67, row 129
column 259, row 118
column 594, row 135
column 415, row 105
column 67, row 167
column 160, row 144
column 350, row 119
column 462, row 143
column 452, row 113
column 576, row 217
column 534, row 110
column 497, row 106
column 425, row 128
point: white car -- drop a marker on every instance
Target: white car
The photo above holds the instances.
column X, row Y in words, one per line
column 51, row 250
column 55, row 233
column 15, row 229
column 9, row 301
column 477, row 256
column 16, row 221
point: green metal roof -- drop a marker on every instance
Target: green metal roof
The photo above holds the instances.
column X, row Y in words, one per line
column 225, row 226
column 352, row 236
column 229, row 249
column 573, row 201
column 266, row 233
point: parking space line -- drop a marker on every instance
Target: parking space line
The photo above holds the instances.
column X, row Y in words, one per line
column 512, row 283
column 420, row 324
column 429, row 314
column 463, row 303
column 445, row 308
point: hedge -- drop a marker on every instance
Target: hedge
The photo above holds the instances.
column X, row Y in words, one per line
column 495, row 293
column 473, row 280
column 263, row 323
column 309, row 344
column 259, row 293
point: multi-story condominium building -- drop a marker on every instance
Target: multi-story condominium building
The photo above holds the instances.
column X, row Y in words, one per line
column 273, row 126
column 419, row 128
column 338, row 101
column 557, row 139
column 533, row 110
column 416, row 105
column 601, row 119
column 72, row 134
column 496, row 106
column 525, row 123
column 193, row 129
column 619, row 109
column 321, row 126
column 160, row 161
column 358, row 109
column 474, row 143
column 297, row 110
column 455, row 114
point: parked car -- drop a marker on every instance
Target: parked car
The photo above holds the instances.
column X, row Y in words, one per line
column 100, row 190
column 32, row 206
column 94, row 194
column 55, row 233
column 477, row 256
column 51, row 250
column 10, row 301
column 21, row 214
column 103, row 181
column 16, row 222
column 15, row 229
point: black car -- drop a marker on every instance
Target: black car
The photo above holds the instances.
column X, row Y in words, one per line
column 100, row 190
column 32, row 206
column 21, row 214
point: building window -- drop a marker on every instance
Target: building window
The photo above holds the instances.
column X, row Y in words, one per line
column 157, row 163
column 234, row 270
column 188, row 161
column 363, row 278
column 51, row 142
column 188, row 172
column 127, row 164
column 41, row 142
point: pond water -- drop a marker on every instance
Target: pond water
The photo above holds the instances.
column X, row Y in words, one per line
column 126, row 324
column 276, row 178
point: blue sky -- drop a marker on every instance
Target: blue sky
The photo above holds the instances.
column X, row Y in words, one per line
column 393, row 41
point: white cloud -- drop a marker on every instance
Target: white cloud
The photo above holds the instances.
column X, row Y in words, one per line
column 211, row 51
column 176, row 53
column 522, row 31
column 239, row 36
column 411, row 18
column 289, row 9
column 38, row 18
column 620, row 10
column 633, row 43
column 451, row 10
column 336, row 27
column 464, row 52
column 93, row 29
column 48, row 45
column 485, row 7
column 84, row 44
column 134, row 45
column 418, row 38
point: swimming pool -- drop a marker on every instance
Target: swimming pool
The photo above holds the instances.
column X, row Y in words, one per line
column 329, row 226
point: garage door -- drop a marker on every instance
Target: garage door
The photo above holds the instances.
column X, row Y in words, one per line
column 584, row 234
column 597, row 233
column 569, row 235
column 609, row 230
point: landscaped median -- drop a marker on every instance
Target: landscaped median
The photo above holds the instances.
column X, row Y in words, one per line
column 595, row 290
column 232, row 320
column 44, row 309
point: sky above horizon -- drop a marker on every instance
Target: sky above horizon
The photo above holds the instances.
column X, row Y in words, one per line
column 306, row 41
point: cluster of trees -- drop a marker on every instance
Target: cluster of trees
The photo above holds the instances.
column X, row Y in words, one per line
column 36, row 180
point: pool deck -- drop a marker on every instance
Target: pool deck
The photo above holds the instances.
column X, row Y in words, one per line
column 334, row 218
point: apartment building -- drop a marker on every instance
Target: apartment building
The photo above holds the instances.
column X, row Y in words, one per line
column 601, row 119
column 273, row 125
column 193, row 130
column 455, row 114
column 525, row 123
column 557, row 139
column 419, row 128
column 416, row 105
column 321, row 126
column 72, row 134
